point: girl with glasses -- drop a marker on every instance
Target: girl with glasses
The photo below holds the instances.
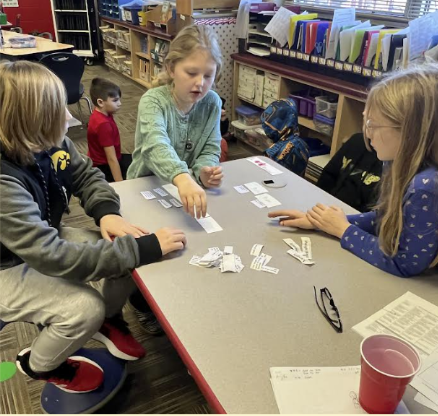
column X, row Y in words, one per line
column 401, row 235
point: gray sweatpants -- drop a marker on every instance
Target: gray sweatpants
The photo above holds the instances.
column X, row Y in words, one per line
column 70, row 312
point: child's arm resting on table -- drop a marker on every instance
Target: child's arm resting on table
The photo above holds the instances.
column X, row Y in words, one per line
column 418, row 245
column 111, row 157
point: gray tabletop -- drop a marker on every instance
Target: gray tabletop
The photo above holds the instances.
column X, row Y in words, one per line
column 236, row 326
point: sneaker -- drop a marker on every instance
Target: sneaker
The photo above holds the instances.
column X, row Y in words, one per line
column 149, row 322
column 76, row 375
column 115, row 334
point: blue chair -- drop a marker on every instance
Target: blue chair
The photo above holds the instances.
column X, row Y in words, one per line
column 69, row 68
column 56, row 401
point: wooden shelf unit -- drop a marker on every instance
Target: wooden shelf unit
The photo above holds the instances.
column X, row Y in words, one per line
column 351, row 97
column 138, row 36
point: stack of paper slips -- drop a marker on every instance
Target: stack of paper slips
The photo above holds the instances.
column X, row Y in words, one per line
column 261, row 260
column 302, row 253
column 226, row 260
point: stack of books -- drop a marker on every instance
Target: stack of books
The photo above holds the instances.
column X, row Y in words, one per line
column 315, row 166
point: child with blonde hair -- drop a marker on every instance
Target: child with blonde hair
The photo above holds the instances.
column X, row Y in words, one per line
column 44, row 267
column 401, row 124
column 178, row 125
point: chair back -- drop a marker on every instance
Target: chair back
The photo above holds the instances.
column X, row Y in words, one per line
column 69, row 68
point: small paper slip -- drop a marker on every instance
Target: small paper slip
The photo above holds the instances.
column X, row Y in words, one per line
column 209, row 224
column 228, row 250
column 175, row 203
column 409, row 317
column 426, row 381
column 228, row 263
column 268, row 269
column 241, row 189
column 268, row 200
column 265, row 166
column 260, row 261
column 306, row 247
column 148, row 195
column 211, row 258
column 256, row 249
column 164, row 203
column 256, row 188
column 304, row 390
column 194, row 261
column 300, row 256
column 258, row 204
column 160, row 192
column 292, row 244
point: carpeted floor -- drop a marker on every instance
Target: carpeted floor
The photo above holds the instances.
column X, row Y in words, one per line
column 159, row 383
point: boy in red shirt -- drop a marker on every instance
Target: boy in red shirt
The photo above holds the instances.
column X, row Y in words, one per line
column 103, row 135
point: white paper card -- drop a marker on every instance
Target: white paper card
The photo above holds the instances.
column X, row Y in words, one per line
column 300, row 256
column 148, row 195
column 292, row 244
column 306, row 247
column 265, row 166
column 268, row 200
column 268, row 269
column 256, row 249
column 409, row 317
column 256, row 188
column 175, row 203
column 209, row 224
column 241, row 189
column 173, row 190
column 228, row 250
column 258, row 204
column 160, row 192
column 164, row 203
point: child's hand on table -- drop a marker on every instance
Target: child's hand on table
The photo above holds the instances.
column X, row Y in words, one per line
column 292, row 218
column 331, row 220
column 171, row 239
column 211, row 176
column 117, row 226
column 192, row 195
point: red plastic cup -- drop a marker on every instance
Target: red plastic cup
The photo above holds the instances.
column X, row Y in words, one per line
column 388, row 364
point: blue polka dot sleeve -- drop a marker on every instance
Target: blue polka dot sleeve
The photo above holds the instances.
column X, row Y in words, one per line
column 418, row 245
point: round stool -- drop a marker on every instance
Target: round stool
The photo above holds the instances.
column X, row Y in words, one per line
column 54, row 400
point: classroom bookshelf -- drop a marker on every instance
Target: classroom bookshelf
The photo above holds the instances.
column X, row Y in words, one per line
column 75, row 23
column 135, row 51
column 278, row 80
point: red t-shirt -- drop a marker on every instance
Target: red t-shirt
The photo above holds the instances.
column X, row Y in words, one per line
column 102, row 132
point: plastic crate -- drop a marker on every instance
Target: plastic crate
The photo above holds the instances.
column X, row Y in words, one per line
column 257, row 138
column 248, row 115
column 325, row 106
column 306, row 105
column 324, row 125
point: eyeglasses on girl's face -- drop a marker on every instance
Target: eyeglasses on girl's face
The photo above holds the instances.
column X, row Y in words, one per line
column 370, row 126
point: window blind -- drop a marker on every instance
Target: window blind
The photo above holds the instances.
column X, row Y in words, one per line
column 403, row 8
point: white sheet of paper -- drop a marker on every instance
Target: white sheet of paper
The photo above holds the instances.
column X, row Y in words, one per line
column 300, row 256
column 278, row 27
column 303, row 390
column 426, row 402
column 258, row 204
column 256, row 249
column 228, row 250
column 160, row 192
column 306, row 245
column 426, row 381
column 341, row 17
column 164, row 203
column 209, row 224
column 372, row 49
column 272, row 170
column 229, row 264
column 293, row 245
column 148, row 195
column 268, row 269
column 421, row 31
column 256, row 188
column 241, row 189
column 409, row 317
column 268, row 201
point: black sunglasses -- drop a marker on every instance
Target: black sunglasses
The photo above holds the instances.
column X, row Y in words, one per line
column 326, row 295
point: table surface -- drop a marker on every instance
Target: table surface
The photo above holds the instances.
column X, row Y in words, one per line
column 231, row 328
column 42, row 45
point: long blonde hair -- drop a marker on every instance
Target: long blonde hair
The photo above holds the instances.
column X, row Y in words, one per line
column 32, row 110
column 409, row 100
column 188, row 40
